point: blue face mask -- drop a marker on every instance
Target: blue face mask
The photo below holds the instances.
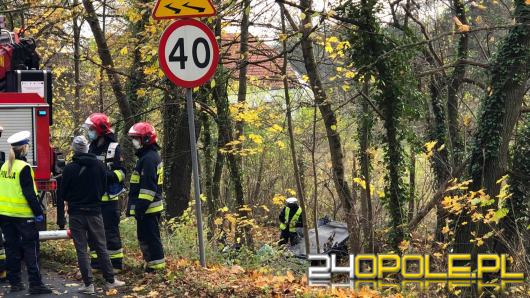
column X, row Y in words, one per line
column 92, row 135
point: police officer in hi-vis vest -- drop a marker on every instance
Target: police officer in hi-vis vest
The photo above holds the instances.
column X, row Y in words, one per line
column 2, row 250
column 19, row 212
column 290, row 220
column 145, row 196
column 103, row 144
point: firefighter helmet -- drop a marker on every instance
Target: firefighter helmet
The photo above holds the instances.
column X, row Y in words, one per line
column 145, row 131
column 98, row 122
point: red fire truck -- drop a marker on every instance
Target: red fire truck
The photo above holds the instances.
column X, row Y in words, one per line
column 26, row 104
column 29, row 111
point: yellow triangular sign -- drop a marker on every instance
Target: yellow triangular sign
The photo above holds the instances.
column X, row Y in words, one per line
column 174, row 9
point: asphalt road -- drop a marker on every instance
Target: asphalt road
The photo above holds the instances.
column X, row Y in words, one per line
column 59, row 285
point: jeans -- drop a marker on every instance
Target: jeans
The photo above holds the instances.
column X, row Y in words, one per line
column 82, row 227
column 110, row 212
column 22, row 239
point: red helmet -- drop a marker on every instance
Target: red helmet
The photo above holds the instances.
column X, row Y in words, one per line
column 99, row 122
column 145, row 131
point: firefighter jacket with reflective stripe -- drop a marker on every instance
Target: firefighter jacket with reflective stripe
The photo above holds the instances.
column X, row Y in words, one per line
column 110, row 154
column 13, row 202
column 145, row 195
column 290, row 219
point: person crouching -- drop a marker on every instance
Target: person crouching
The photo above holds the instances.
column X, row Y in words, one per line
column 84, row 182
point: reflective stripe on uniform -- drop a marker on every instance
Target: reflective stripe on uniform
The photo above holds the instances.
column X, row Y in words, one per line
column 106, row 198
column 292, row 224
column 146, row 194
column 120, row 174
column 157, row 264
column 2, row 254
column 135, row 177
column 160, row 174
column 115, row 254
column 154, row 207
column 294, row 219
column 283, row 225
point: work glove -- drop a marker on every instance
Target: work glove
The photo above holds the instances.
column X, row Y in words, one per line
column 39, row 218
column 140, row 209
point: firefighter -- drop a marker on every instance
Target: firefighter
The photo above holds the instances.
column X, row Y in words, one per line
column 290, row 221
column 103, row 144
column 145, row 195
column 2, row 250
column 20, row 212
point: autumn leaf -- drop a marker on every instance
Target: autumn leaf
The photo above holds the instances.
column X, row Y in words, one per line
column 138, row 288
column 460, row 26
column 236, row 269
column 404, row 245
column 111, row 292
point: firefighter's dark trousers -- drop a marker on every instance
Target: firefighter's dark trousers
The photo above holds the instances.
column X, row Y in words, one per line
column 110, row 212
column 148, row 232
column 2, row 258
column 288, row 237
column 22, row 239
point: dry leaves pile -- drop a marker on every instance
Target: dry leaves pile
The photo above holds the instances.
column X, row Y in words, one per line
column 185, row 278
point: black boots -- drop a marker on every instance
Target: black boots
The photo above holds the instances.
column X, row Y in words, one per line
column 42, row 289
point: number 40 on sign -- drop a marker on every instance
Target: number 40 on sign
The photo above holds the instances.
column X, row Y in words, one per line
column 188, row 53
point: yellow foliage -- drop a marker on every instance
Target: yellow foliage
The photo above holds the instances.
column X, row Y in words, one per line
column 404, row 245
column 429, row 146
column 255, row 138
column 278, row 199
column 360, row 181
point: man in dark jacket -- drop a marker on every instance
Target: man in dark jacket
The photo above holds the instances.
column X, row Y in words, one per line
column 84, row 182
column 290, row 220
column 103, row 144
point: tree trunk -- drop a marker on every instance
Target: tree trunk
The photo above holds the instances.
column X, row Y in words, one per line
column 315, row 181
column 176, row 153
column 296, row 170
column 518, row 219
column 455, row 81
column 330, row 122
column 108, row 64
column 76, row 28
column 207, row 170
column 365, row 130
column 412, row 184
column 391, row 107
column 499, row 112
column 136, row 71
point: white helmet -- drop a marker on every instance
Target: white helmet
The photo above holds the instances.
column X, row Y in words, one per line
column 291, row 200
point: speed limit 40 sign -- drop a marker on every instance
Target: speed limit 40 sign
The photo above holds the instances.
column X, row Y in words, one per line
column 188, row 53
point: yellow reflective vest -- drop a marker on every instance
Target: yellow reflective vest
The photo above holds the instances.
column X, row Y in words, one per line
column 292, row 223
column 13, row 203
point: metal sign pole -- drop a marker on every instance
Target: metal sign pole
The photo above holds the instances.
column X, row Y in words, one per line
column 195, row 167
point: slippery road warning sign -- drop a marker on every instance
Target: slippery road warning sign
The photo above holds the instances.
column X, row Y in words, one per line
column 174, row 9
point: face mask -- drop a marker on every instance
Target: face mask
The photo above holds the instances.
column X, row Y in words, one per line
column 92, row 135
column 136, row 144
